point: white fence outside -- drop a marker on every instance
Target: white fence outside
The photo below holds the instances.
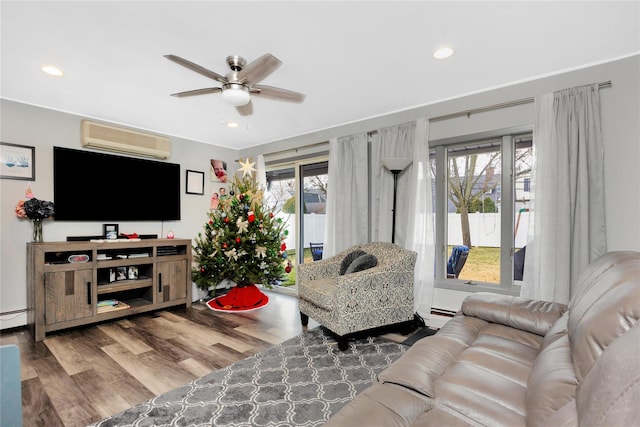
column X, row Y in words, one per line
column 314, row 225
column 484, row 227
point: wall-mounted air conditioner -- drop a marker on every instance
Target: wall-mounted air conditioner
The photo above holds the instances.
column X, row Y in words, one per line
column 104, row 137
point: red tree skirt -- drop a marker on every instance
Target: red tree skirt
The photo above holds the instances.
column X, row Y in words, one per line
column 239, row 299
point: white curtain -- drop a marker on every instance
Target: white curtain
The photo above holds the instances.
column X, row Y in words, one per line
column 568, row 220
column 414, row 211
column 261, row 174
column 347, row 194
column 396, row 141
column 420, row 221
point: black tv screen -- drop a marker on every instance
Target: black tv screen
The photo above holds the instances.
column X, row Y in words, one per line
column 90, row 186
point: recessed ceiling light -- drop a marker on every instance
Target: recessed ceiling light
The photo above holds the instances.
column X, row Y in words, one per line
column 443, row 52
column 52, row 70
column 232, row 124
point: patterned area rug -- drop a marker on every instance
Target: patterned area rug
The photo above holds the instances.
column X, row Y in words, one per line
column 300, row 382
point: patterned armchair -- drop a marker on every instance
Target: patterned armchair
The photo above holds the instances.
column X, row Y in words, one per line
column 378, row 296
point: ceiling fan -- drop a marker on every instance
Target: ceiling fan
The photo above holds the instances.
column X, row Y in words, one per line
column 241, row 82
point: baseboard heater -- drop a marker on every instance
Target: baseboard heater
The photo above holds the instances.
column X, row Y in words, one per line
column 442, row 312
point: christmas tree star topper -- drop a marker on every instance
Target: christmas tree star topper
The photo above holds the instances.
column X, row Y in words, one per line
column 247, row 167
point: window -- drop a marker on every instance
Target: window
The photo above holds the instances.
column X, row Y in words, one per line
column 482, row 194
column 306, row 222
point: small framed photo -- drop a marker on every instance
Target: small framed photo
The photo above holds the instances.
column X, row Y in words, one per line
column 121, row 273
column 110, row 231
column 133, row 273
column 112, row 275
column 195, row 182
column 218, row 170
column 17, row 162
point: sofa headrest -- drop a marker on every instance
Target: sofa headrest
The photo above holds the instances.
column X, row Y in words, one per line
column 605, row 306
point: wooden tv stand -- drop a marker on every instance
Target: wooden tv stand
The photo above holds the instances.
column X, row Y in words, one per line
column 69, row 282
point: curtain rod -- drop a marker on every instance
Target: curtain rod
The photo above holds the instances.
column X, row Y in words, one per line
column 496, row 106
column 291, row 150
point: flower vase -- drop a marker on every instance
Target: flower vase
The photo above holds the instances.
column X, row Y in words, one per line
column 37, row 231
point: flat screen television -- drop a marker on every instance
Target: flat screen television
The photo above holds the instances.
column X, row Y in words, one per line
column 89, row 186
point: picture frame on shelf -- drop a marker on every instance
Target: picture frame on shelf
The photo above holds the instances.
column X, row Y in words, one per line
column 121, row 273
column 195, row 182
column 110, row 231
column 133, row 272
column 17, row 161
column 112, row 275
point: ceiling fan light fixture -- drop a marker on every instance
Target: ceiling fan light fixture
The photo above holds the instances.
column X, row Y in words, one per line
column 235, row 94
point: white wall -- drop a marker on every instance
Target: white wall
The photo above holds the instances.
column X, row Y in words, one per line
column 42, row 128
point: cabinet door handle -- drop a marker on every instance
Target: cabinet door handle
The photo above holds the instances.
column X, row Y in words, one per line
column 159, row 283
column 89, row 293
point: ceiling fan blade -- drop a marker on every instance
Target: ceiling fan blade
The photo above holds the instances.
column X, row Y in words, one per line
column 259, row 69
column 277, row 93
column 197, row 68
column 245, row 110
column 197, row 92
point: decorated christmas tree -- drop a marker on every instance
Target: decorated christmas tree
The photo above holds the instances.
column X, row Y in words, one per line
column 243, row 240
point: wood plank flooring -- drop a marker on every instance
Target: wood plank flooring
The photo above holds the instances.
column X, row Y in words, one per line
column 80, row 376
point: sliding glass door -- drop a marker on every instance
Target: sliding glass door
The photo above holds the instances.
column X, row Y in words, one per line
column 297, row 191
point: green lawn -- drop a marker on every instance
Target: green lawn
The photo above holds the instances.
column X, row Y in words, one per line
column 290, row 278
column 483, row 264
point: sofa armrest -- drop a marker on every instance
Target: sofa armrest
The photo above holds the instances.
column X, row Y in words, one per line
column 527, row 315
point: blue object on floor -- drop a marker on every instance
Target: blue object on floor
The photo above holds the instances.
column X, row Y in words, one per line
column 11, row 396
column 456, row 261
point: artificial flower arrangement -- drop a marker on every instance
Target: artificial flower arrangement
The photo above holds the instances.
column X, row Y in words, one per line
column 36, row 210
column 242, row 241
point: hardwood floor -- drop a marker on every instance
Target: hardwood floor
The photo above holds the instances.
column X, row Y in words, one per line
column 77, row 377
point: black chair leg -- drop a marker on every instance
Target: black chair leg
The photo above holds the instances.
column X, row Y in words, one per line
column 304, row 319
column 343, row 343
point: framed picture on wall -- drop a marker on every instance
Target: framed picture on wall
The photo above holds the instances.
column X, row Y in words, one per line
column 195, row 182
column 218, row 170
column 17, row 162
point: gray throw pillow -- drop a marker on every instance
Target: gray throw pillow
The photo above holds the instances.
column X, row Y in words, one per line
column 363, row 262
column 347, row 260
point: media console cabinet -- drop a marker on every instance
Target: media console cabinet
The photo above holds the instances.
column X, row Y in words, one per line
column 77, row 283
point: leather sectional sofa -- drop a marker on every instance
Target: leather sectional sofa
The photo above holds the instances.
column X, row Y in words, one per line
column 506, row 361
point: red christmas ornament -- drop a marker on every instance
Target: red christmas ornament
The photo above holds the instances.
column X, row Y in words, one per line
column 202, row 269
column 283, row 247
column 225, row 246
column 251, row 216
column 226, row 219
column 288, row 268
column 270, row 214
column 210, row 222
column 237, row 240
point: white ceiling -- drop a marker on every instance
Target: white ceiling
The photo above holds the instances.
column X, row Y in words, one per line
column 353, row 60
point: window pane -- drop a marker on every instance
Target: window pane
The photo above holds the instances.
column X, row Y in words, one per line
column 314, row 186
column 280, row 197
column 474, row 196
column 522, row 188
